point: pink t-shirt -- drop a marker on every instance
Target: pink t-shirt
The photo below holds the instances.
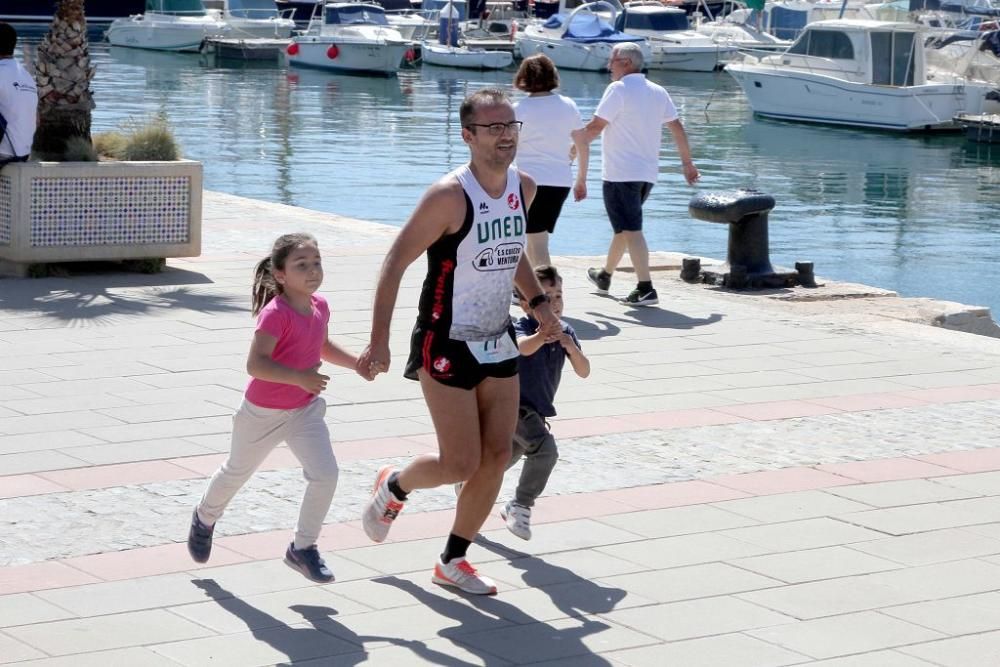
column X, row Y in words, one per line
column 300, row 343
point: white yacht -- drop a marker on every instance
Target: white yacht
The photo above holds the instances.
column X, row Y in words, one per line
column 743, row 29
column 349, row 37
column 581, row 40
column 253, row 18
column 167, row 25
column 858, row 72
column 672, row 42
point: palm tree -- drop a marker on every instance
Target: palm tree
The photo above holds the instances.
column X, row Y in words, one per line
column 63, row 72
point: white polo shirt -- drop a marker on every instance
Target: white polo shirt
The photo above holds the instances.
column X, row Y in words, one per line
column 19, row 105
column 543, row 148
column 635, row 110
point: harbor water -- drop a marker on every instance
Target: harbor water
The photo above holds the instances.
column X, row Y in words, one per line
column 916, row 214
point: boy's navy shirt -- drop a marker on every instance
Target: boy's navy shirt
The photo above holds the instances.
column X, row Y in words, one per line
column 541, row 371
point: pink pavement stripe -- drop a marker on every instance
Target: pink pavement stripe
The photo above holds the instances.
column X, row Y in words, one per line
column 683, row 418
column 770, row 482
column 954, row 394
column 887, row 470
column 41, row 576
column 777, row 410
column 975, row 460
column 862, row 402
column 585, row 426
column 150, row 561
column 16, row 486
column 118, row 474
column 204, row 465
column 674, row 494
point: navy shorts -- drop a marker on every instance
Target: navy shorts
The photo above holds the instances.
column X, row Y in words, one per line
column 623, row 201
column 452, row 362
column 545, row 209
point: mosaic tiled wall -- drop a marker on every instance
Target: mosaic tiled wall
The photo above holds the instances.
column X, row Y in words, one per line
column 109, row 211
column 6, row 215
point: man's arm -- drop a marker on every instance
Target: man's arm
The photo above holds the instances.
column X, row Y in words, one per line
column 590, row 131
column 691, row 174
column 440, row 211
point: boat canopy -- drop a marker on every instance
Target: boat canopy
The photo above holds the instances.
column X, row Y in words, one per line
column 587, row 28
column 185, row 7
column 253, row 9
column 355, row 14
column 666, row 20
column 891, row 48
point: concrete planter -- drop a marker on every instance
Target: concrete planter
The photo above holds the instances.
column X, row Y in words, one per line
column 84, row 211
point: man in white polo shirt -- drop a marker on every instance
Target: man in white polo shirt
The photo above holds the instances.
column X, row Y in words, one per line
column 18, row 102
column 631, row 115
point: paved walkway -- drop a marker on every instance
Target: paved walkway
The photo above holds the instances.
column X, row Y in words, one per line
column 744, row 480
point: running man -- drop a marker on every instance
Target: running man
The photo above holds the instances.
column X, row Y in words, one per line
column 472, row 225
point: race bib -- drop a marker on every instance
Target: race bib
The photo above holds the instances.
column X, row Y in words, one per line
column 493, row 350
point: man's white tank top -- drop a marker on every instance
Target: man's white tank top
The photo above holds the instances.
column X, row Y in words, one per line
column 470, row 274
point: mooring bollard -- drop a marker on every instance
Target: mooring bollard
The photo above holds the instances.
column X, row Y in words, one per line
column 748, row 263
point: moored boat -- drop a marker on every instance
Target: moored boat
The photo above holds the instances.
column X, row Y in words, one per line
column 41, row 11
column 167, row 25
column 463, row 57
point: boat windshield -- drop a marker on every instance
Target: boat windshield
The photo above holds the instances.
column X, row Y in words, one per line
column 831, row 44
column 253, row 9
column 185, row 7
column 355, row 14
column 656, row 21
column 893, row 58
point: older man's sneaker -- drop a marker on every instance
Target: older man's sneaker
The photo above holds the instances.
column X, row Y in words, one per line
column 641, row 298
column 518, row 519
column 200, row 539
column 382, row 508
column 600, row 278
column 459, row 573
column 309, row 563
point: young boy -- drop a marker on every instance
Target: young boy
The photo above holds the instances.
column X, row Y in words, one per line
column 539, row 368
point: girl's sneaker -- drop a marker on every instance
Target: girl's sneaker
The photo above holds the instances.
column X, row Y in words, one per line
column 459, row 573
column 518, row 519
column 382, row 509
column 200, row 539
column 309, row 563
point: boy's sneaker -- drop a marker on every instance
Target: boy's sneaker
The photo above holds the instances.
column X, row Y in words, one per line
column 382, row 509
column 458, row 573
column 637, row 298
column 309, row 563
column 601, row 280
column 200, row 539
column 518, row 518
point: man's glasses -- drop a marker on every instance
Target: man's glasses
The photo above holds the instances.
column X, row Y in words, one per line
column 497, row 129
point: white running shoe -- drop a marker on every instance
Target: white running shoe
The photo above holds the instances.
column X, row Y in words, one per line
column 459, row 573
column 518, row 518
column 382, row 509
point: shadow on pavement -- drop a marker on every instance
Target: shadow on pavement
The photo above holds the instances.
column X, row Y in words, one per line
column 603, row 324
column 344, row 646
column 91, row 297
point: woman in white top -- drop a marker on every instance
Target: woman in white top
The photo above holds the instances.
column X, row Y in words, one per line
column 545, row 150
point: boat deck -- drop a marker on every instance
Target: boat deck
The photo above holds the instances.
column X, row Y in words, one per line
column 253, row 48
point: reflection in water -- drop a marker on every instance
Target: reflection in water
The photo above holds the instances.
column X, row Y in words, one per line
column 895, row 211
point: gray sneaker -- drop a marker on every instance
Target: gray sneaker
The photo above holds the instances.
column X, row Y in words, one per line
column 600, row 279
column 518, row 519
column 637, row 298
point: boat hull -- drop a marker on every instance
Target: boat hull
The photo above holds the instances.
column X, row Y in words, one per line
column 464, row 58
column 42, row 11
column 814, row 98
column 565, row 54
column 689, row 58
column 383, row 59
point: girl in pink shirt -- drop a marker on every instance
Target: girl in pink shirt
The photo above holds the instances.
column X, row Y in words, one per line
column 282, row 402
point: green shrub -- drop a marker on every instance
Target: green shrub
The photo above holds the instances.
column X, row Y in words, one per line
column 152, row 141
column 110, row 144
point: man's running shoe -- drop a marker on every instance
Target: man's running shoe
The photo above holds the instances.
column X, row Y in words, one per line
column 638, row 298
column 458, row 573
column 382, row 509
column 518, row 518
column 601, row 279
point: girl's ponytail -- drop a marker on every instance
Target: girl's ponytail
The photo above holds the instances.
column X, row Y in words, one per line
column 265, row 287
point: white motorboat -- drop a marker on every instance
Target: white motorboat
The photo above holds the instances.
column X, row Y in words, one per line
column 581, row 40
column 349, row 37
column 253, row 18
column 672, row 42
column 167, row 25
column 861, row 73
column 744, row 30
column 464, row 57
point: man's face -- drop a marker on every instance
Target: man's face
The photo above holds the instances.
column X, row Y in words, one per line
column 618, row 66
column 495, row 145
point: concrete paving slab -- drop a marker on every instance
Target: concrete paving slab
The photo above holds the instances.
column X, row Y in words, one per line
column 935, row 546
column 732, row 650
column 803, row 534
column 695, row 581
column 677, row 521
column 982, row 650
column 697, row 618
column 814, row 564
column 874, row 659
column 791, row 506
column 12, row 650
column 26, row 609
column 902, row 492
column 125, row 657
column 693, row 549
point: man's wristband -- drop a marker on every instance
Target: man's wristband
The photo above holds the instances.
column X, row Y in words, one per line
column 536, row 301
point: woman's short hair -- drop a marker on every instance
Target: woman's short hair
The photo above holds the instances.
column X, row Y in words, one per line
column 537, row 74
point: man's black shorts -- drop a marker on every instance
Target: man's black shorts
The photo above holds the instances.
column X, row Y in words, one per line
column 453, row 362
